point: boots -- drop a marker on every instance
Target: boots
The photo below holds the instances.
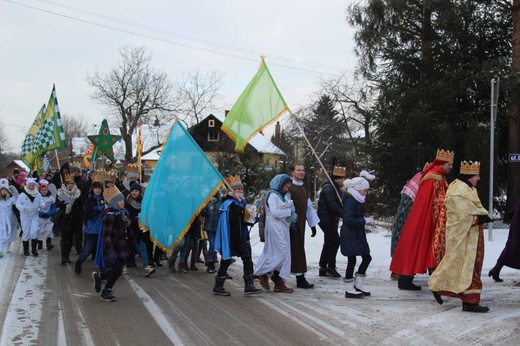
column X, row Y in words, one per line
column 34, row 245
column 250, row 288
column 359, row 282
column 65, row 252
column 48, row 242
column 40, row 244
column 77, row 268
column 405, row 283
column 351, row 291
column 495, row 272
column 205, row 255
column 211, row 268
column 333, row 272
column 171, row 264
column 193, row 260
column 323, row 272
column 264, row 282
column 218, row 289
column 301, row 282
column 26, row 248
column 437, row 297
column 474, row 307
column 183, row 268
column 279, row 284
column 157, row 256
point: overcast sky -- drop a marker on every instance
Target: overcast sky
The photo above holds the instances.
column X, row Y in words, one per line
column 46, row 42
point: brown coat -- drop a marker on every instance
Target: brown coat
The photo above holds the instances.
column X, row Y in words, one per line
column 299, row 196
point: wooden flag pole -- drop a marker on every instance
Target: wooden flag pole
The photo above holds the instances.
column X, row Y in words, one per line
column 315, row 154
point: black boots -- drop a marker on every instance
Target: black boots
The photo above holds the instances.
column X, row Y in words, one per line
column 26, row 248
column 49, row 244
column 437, row 297
column 218, row 289
column 333, row 272
column 40, row 244
column 405, row 283
column 474, row 307
column 65, row 252
column 211, row 268
column 250, row 288
column 77, row 268
column 34, row 246
column 301, row 282
column 495, row 272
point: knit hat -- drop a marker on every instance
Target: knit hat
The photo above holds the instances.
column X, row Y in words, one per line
column 136, row 186
column 30, row 181
column 42, row 186
column 358, row 183
column 4, row 184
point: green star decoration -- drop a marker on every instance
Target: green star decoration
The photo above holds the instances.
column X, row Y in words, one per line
column 104, row 141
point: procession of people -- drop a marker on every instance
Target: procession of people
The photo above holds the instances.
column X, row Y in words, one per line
column 440, row 229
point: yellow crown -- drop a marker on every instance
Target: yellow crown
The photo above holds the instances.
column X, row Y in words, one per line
column 98, row 176
column 75, row 165
column 470, row 168
column 233, row 180
column 110, row 193
column 339, row 172
column 444, row 155
column 110, row 175
column 69, row 178
column 131, row 168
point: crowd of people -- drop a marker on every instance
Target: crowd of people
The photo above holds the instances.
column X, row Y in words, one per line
column 438, row 229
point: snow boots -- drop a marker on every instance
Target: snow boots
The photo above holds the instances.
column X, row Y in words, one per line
column 34, row 246
column 250, row 288
column 351, row 292
column 359, row 282
column 219, row 289
column 301, row 282
column 26, row 248
column 474, row 307
column 405, row 283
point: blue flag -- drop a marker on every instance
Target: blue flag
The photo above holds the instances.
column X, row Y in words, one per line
column 182, row 183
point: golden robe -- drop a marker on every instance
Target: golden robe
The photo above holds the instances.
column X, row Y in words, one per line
column 456, row 275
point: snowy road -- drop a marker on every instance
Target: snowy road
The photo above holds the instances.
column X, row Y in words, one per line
column 43, row 303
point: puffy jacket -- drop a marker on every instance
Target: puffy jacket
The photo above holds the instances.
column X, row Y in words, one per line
column 353, row 235
column 211, row 215
column 329, row 206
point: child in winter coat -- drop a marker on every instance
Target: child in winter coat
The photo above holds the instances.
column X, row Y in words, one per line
column 353, row 236
column 47, row 209
column 8, row 222
column 115, row 251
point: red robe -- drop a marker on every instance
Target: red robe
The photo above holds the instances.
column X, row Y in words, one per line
column 422, row 242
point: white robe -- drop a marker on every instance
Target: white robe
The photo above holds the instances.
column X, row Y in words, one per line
column 29, row 215
column 46, row 224
column 8, row 223
column 276, row 254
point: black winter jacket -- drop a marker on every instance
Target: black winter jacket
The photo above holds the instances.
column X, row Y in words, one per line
column 329, row 206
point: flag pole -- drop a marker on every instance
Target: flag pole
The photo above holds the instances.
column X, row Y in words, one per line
column 314, row 153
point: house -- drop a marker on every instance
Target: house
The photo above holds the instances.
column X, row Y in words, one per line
column 18, row 164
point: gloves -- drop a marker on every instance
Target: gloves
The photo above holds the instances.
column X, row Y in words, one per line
column 293, row 217
column 111, row 256
column 313, row 231
column 293, row 209
column 369, row 220
column 43, row 215
column 484, row 219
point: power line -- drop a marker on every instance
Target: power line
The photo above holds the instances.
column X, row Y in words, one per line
column 185, row 45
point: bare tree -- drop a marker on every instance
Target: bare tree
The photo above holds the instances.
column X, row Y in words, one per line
column 73, row 127
column 134, row 92
column 198, row 93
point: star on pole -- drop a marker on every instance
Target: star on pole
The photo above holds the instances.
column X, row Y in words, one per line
column 104, row 141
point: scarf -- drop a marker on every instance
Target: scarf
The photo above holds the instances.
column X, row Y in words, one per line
column 73, row 193
column 134, row 203
column 357, row 196
column 34, row 192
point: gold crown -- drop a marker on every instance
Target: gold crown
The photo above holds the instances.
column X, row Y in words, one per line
column 339, row 172
column 470, row 168
column 233, row 180
column 110, row 175
column 444, row 155
column 69, row 178
column 131, row 168
column 110, row 193
column 98, row 176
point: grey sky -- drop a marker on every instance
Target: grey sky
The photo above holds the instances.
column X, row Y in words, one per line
column 40, row 48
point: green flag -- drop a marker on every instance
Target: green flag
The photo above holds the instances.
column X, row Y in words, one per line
column 28, row 152
column 260, row 104
column 50, row 135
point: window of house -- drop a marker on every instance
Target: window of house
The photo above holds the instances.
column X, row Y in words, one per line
column 212, row 136
column 211, row 123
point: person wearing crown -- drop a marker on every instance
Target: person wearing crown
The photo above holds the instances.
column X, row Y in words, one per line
column 71, row 219
column 132, row 175
column 232, row 238
column 330, row 210
column 459, row 272
column 421, row 245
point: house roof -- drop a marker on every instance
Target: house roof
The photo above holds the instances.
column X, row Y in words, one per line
column 22, row 165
